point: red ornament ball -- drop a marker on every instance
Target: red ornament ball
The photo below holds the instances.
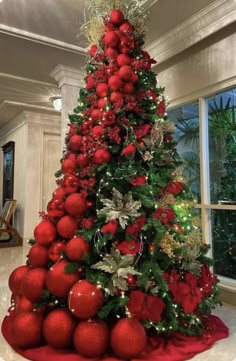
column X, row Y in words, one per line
column 75, row 142
column 101, row 103
column 76, row 204
column 27, row 329
column 116, row 17
column 91, row 338
column 82, row 160
column 58, row 193
column 56, row 250
column 66, row 226
column 123, row 59
column 33, row 284
column 55, row 208
column 15, row 279
column 58, row 281
column 97, row 132
column 68, row 166
column 111, row 53
column 38, row 256
column 102, row 90
column 58, row 328
column 126, row 72
column 128, row 88
column 96, row 114
column 115, row 83
column 76, row 248
column 116, row 97
column 101, row 156
column 24, row 305
column 70, row 183
column 126, row 27
column 45, row 233
column 85, row 299
column 111, row 39
column 128, row 338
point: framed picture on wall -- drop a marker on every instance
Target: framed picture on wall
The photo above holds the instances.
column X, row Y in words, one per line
column 8, row 171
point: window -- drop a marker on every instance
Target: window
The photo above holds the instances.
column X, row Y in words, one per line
column 206, row 136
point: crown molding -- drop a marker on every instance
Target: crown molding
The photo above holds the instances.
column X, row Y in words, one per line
column 27, row 35
column 28, row 80
column 201, row 25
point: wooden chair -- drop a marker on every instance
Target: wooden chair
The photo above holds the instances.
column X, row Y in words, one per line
column 9, row 236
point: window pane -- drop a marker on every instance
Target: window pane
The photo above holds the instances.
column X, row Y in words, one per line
column 186, row 119
column 224, row 242
column 222, row 146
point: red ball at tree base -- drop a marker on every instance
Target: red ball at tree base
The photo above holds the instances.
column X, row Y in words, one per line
column 27, row 329
column 102, row 156
column 58, row 328
column 91, row 338
column 75, row 142
column 102, row 90
column 128, row 338
column 76, row 204
column 116, row 17
column 58, row 281
column 45, row 233
column 15, row 279
column 76, row 248
column 85, row 299
column 66, row 226
column 38, row 256
column 33, row 284
column 24, row 305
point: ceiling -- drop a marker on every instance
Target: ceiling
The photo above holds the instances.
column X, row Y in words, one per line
column 36, row 35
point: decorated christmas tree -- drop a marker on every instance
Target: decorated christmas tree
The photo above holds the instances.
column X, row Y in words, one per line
column 117, row 266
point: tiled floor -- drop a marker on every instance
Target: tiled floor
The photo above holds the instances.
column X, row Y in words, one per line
column 224, row 350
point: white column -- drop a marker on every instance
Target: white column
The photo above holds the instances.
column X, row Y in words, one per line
column 70, row 80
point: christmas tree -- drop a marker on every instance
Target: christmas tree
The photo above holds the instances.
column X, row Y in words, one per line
column 118, row 259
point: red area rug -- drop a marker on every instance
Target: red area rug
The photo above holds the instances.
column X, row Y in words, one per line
column 175, row 348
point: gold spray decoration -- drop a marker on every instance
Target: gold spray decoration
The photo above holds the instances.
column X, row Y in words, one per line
column 168, row 244
column 157, row 134
column 166, row 201
column 120, row 207
column 119, row 267
column 98, row 10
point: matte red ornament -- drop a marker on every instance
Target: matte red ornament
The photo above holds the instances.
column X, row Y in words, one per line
column 91, row 338
column 128, row 88
column 82, row 160
column 15, row 279
column 116, row 97
column 116, row 17
column 111, row 39
column 70, row 183
column 126, row 27
column 58, row 281
column 126, row 73
column 123, row 59
column 85, row 299
column 58, row 328
column 68, row 166
column 93, row 50
column 101, row 156
column 45, row 233
column 38, row 256
column 76, row 248
column 27, row 329
column 66, row 226
column 128, row 338
column 76, row 204
column 33, row 284
column 101, row 103
column 24, row 305
column 111, row 53
column 75, row 142
column 56, row 250
column 97, row 132
column 115, row 83
column 58, row 193
column 96, row 114
column 55, row 208
column 102, row 90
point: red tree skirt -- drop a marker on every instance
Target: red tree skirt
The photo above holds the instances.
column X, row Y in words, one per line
column 175, row 348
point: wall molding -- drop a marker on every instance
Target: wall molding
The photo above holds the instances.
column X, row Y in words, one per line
column 209, row 20
column 27, row 80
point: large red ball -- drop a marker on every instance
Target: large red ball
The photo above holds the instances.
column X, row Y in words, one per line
column 126, row 27
column 33, row 284
column 102, row 90
column 128, row 88
column 111, row 39
column 116, row 97
column 111, row 53
column 101, row 156
column 68, row 166
column 85, row 299
column 82, row 160
column 58, row 281
column 38, row 256
column 76, row 248
column 27, row 329
column 58, row 328
column 97, row 132
column 115, row 83
column 24, row 305
column 15, row 279
column 126, row 72
column 45, row 233
column 76, row 204
column 128, row 338
column 75, row 142
column 96, row 114
column 66, row 226
column 58, row 193
column 123, row 59
column 56, row 250
column 91, row 338
column 116, row 17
